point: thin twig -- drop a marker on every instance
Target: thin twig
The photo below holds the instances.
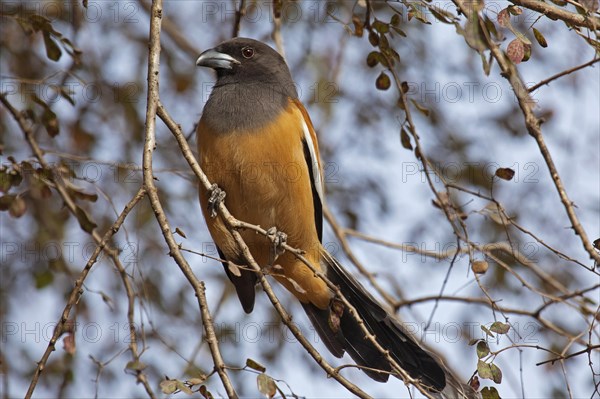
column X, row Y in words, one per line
column 239, row 14
column 561, row 74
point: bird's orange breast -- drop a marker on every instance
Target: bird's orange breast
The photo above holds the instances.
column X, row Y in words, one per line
column 266, row 180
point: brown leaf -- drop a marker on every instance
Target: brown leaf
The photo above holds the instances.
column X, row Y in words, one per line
column 405, row 87
column 205, row 392
column 383, row 81
column 69, row 344
column 50, row 122
column 52, row 50
column 514, row 10
column 266, row 385
column 405, row 139
column 181, row 233
column 168, row 386
column 503, row 18
column 505, row 173
column 479, row 266
column 184, row 388
column 358, row 26
column 516, row 51
column 474, row 383
column 17, row 207
column 197, row 380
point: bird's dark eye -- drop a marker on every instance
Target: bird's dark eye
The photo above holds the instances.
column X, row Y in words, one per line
column 248, row 52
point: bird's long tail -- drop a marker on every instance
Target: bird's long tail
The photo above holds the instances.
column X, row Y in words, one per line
column 341, row 332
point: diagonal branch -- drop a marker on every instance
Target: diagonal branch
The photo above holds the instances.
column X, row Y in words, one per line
column 586, row 21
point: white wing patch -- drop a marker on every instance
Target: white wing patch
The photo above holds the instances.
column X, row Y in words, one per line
column 314, row 162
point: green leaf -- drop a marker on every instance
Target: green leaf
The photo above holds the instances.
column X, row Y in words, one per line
column 135, row 365
column 373, row 39
column 381, row 27
column 491, row 27
column 499, row 328
column 484, row 370
column 441, row 15
column 540, row 38
column 266, row 385
column 52, row 50
column 43, row 278
column 417, row 13
column 489, row 393
column 84, row 220
column 482, row 349
column 255, row 365
column 373, row 58
column 496, row 373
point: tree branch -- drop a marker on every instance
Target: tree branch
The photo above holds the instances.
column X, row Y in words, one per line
column 152, row 193
column 586, row 21
column 532, row 124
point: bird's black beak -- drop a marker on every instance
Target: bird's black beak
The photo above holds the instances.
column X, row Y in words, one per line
column 216, row 60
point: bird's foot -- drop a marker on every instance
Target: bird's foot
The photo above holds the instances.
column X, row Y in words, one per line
column 278, row 239
column 214, row 200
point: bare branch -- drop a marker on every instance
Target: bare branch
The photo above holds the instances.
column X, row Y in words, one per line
column 586, row 21
column 561, row 74
column 152, row 193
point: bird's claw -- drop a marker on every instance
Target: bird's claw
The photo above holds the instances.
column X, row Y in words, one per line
column 214, row 200
column 278, row 239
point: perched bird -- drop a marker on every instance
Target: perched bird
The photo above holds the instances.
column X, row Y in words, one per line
column 257, row 143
